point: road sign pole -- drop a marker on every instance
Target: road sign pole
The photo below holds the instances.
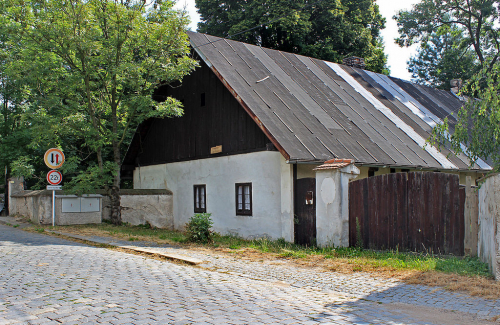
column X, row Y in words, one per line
column 54, row 159
column 53, row 208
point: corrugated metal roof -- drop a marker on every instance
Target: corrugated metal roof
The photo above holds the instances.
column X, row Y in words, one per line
column 315, row 110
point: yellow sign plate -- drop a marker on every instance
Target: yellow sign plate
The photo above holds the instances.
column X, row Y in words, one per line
column 215, row 150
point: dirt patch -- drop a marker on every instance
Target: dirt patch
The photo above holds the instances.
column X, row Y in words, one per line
column 474, row 286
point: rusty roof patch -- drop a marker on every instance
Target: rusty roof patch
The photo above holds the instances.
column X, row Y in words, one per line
column 335, row 164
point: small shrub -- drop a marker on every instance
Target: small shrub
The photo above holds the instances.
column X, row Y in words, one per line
column 281, row 242
column 198, row 228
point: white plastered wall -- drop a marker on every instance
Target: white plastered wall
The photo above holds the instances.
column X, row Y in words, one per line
column 489, row 224
column 272, row 198
column 332, row 206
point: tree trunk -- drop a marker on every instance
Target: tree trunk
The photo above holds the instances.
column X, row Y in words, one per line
column 116, row 212
column 5, row 211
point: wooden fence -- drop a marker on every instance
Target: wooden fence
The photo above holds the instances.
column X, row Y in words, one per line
column 418, row 211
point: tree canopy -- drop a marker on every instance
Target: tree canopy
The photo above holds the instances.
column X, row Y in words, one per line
column 472, row 28
column 440, row 59
column 478, row 124
column 478, row 19
column 329, row 30
column 90, row 68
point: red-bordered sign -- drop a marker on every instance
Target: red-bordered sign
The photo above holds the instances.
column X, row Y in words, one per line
column 54, row 158
column 54, row 177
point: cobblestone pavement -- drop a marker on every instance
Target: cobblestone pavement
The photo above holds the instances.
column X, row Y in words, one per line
column 48, row 280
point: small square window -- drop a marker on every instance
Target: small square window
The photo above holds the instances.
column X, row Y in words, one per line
column 200, row 198
column 244, row 199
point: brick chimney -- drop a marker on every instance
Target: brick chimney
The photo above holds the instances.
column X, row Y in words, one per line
column 456, row 85
column 355, row 62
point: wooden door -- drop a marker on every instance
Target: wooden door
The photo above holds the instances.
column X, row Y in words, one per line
column 305, row 211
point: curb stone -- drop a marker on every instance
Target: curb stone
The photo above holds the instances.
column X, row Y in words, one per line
column 170, row 256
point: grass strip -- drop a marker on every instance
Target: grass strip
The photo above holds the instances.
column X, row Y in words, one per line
column 359, row 259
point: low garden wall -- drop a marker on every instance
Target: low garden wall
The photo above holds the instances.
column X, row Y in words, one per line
column 489, row 223
column 37, row 206
column 153, row 207
column 140, row 207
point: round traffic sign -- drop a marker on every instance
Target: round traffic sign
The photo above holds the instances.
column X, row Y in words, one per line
column 54, row 177
column 54, row 158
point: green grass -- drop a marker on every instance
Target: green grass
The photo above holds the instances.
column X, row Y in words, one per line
column 357, row 256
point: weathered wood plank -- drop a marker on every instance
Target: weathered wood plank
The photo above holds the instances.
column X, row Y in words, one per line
column 408, row 211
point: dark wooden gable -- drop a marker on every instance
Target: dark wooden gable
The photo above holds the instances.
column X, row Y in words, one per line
column 212, row 117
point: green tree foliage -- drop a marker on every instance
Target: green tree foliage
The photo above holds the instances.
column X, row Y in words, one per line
column 14, row 136
column 329, row 30
column 478, row 124
column 479, row 20
column 478, row 127
column 91, row 67
column 441, row 59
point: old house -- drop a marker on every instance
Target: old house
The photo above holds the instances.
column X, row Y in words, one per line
column 258, row 123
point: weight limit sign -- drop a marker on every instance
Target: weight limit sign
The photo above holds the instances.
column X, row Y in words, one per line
column 54, row 177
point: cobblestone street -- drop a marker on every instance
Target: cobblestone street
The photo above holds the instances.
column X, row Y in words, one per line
column 48, row 280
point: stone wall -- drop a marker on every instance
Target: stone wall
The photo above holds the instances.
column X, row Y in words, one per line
column 140, row 207
column 37, row 206
column 489, row 223
column 154, row 207
column 31, row 204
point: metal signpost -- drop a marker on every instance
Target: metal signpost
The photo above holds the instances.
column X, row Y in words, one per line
column 54, row 159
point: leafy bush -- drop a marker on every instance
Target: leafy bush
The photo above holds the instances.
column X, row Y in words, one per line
column 198, row 228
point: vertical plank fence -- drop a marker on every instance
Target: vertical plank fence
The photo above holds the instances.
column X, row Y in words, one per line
column 418, row 211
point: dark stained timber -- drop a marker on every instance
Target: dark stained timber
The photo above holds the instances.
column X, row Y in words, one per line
column 418, row 211
column 220, row 122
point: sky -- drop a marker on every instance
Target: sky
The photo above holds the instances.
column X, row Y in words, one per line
column 397, row 56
